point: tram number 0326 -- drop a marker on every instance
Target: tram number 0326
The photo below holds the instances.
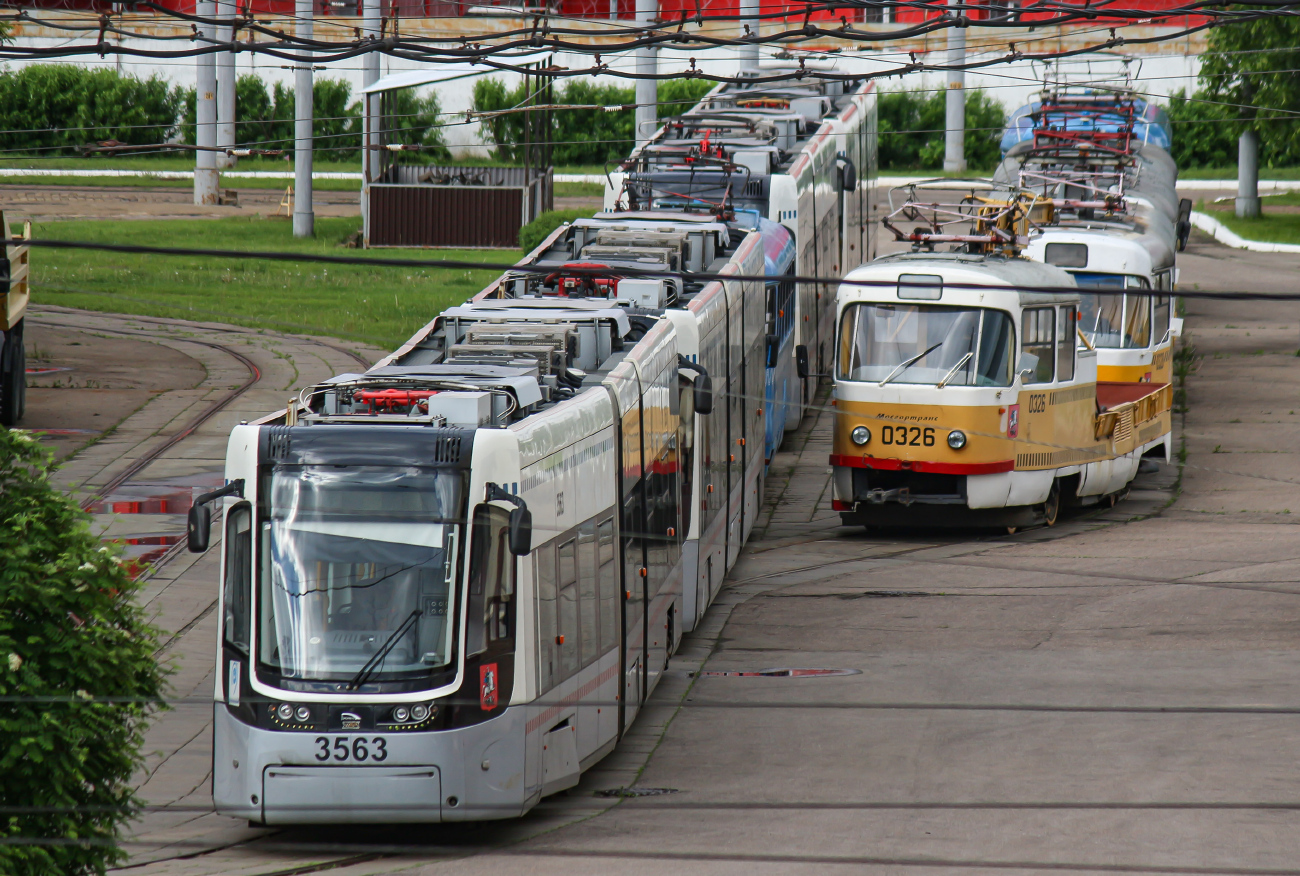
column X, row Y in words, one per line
column 357, row 748
column 911, row 436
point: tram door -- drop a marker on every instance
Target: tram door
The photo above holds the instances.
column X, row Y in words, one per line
column 635, row 562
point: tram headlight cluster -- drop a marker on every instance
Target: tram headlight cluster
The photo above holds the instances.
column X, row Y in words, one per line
column 860, row 435
column 285, row 712
column 407, row 714
column 956, row 439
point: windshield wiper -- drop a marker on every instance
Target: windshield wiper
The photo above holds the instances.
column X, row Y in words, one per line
column 964, row 359
column 369, row 669
column 903, row 366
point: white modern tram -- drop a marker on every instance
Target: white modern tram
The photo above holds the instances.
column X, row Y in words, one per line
column 450, row 583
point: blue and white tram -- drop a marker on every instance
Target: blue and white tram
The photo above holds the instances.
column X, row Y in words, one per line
column 803, row 156
column 449, row 584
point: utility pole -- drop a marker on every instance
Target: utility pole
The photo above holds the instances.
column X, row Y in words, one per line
column 226, row 85
column 304, row 219
column 371, row 25
column 749, row 23
column 1248, row 176
column 206, row 177
column 954, row 143
column 647, row 90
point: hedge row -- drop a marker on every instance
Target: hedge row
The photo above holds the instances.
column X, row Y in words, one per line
column 48, row 109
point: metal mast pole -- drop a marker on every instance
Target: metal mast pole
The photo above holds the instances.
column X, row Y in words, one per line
column 954, row 146
column 225, row 86
column 371, row 24
column 749, row 24
column 206, row 177
column 304, row 219
column 647, row 90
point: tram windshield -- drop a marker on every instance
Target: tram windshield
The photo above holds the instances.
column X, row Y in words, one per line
column 1113, row 320
column 962, row 346
column 357, row 561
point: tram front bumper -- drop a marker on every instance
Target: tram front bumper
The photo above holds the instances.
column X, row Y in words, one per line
column 277, row 777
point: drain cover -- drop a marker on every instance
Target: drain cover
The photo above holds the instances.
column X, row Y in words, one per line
column 635, row 792
column 776, row 673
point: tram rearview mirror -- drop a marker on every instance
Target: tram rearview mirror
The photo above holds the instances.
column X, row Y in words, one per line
column 521, row 532
column 198, row 528
column 703, row 394
column 801, row 361
column 848, row 175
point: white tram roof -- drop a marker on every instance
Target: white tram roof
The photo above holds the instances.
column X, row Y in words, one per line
column 1113, row 247
column 966, row 268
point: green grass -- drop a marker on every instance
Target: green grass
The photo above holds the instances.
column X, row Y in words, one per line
column 1231, row 173
column 1277, row 228
column 380, row 305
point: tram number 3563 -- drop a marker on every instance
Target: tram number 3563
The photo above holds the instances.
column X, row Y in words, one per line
column 911, row 436
column 352, row 748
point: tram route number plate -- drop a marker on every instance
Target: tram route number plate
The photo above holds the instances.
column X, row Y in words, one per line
column 354, row 748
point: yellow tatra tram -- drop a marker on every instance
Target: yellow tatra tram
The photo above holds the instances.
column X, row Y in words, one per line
column 966, row 392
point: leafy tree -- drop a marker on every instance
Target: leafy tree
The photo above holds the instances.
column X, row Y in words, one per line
column 580, row 136
column 912, row 129
column 1250, row 66
column 77, row 676
column 1204, row 131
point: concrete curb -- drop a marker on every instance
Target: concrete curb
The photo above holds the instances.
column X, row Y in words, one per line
column 1228, row 237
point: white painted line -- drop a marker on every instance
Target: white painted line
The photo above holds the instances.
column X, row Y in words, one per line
column 1228, row 237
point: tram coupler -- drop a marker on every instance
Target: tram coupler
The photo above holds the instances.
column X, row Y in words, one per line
column 901, row 495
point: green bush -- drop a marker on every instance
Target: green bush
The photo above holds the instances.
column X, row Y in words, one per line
column 264, row 119
column 676, row 96
column 78, row 677
column 536, row 231
column 59, row 107
column 912, row 129
column 578, row 136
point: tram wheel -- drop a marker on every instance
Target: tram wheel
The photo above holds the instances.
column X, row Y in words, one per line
column 1052, row 507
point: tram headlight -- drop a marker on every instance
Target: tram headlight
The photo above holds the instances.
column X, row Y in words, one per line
column 956, row 439
column 420, row 712
column 303, row 713
column 860, row 435
column 285, row 712
column 401, row 713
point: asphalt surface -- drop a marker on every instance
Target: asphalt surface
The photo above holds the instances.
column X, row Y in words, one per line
column 1116, row 694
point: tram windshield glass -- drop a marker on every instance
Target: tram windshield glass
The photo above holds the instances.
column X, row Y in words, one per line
column 962, row 346
column 357, row 561
column 1113, row 320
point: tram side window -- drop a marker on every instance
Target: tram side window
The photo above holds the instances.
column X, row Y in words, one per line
column 546, row 618
column 492, row 580
column 1160, row 326
column 1065, row 335
column 568, row 600
column 239, row 567
column 588, row 616
column 1038, row 332
column 606, row 555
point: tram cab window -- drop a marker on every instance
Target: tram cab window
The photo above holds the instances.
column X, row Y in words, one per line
column 1160, row 325
column 1112, row 319
column 492, row 580
column 878, row 340
column 1037, row 344
column 239, row 571
column 1137, row 320
column 1066, row 321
